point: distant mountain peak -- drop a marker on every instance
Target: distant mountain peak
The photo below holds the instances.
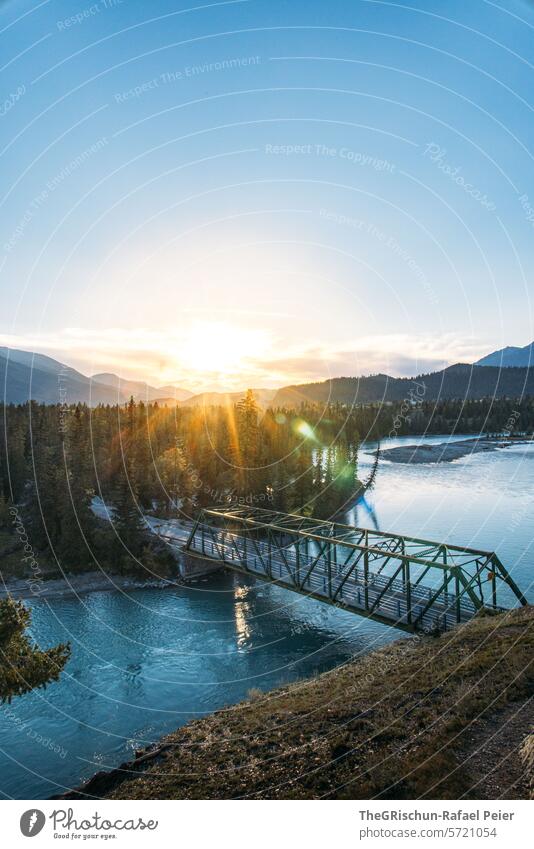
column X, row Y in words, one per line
column 139, row 389
column 510, row 357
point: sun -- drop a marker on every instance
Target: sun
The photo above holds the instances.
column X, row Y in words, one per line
column 223, row 349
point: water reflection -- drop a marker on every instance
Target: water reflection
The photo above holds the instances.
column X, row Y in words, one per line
column 241, row 612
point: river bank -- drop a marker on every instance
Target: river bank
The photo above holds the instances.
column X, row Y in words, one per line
column 80, row 583
column 420, row 718
column 40, row 574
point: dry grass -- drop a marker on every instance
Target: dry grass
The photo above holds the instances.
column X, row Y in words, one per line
column 391, row 725
column 527, row 756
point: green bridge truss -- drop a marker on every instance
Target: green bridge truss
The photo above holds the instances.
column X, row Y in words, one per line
column 413, row 584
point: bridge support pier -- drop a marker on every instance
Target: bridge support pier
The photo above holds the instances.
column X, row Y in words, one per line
column 193, row 565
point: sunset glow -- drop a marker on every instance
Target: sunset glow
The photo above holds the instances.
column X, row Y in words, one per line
column 222, row 349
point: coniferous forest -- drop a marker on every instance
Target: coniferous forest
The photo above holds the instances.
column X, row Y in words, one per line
column 168, row 461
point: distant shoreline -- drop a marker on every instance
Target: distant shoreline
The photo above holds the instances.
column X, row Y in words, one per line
column 445, row 452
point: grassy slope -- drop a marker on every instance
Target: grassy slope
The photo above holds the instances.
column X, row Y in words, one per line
column 395, row 724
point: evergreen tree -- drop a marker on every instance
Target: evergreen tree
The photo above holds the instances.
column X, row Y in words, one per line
column 46, row 469
column 246, row 447
column 24, row 666
column 127, row 519
column 144, row 463
column 75, row 493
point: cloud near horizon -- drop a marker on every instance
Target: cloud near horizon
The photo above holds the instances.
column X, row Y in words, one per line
column 163, row 358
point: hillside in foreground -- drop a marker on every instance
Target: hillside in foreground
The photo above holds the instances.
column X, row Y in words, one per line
column 435, row 717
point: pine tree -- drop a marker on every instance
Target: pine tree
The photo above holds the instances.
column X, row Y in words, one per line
column 246, row 451
column 13, row 465
column 143, row 457
column 128, row 522
column 24, row 666
column 45, row 491
column 75, row 479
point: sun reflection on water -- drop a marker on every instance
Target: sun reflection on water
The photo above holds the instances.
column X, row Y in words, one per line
column 241, row 612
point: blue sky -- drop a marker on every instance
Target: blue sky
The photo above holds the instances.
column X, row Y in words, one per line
column 263, row 192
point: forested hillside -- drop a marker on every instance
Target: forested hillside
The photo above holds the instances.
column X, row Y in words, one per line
column 456, row 382
column 417, row 416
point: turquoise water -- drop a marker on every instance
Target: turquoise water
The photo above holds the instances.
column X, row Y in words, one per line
column 483, row 501
column 145, row 661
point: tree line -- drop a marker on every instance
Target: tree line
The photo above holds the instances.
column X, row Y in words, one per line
column 416, row 416
column 169, row 460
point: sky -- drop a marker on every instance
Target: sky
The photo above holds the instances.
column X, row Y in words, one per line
column 264, row 192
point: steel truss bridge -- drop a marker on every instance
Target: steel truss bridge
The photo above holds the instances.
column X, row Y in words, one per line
column 410, row 583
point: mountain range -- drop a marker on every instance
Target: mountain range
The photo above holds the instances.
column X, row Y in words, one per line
column 458, row 381
column 25, row 375
column 140, row 390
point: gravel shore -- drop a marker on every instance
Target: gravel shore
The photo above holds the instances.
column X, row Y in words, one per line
column 442, row 452
column 77, row 584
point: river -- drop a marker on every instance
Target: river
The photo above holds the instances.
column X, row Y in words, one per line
column 147, row 660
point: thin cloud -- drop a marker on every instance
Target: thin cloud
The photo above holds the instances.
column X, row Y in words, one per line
column 159, row 357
